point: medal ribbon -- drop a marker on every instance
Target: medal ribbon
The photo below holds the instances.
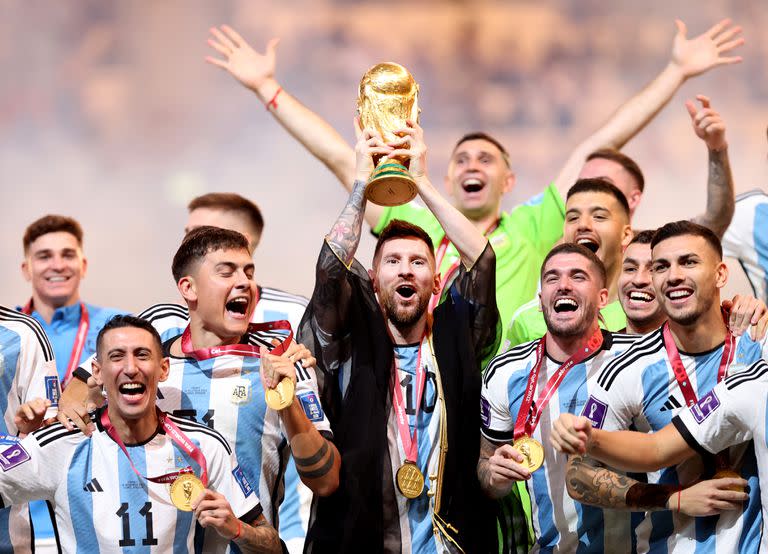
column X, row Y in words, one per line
column 177, row 436
column 238, row 349
column 439, row 255
column 410, row 441
column 528, row 416
column 679, row 369
column 77, row 346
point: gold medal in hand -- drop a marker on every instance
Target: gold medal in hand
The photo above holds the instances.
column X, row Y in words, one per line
column 280, row 397
column 184, row 490
column 532, row 451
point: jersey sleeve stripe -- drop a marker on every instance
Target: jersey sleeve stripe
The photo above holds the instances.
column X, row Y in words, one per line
column 54, row 437
column 194, row 427
column 159, row 311
column 7, row 314
column 252, row 514
column 517, row 353
column 497, row 436
column 269, row 293
column 688, row 437
column 646, row 346
column 755, row 372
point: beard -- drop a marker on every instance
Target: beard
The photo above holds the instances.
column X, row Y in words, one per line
column 404, row 317
column 689, row 316
column 572, row 328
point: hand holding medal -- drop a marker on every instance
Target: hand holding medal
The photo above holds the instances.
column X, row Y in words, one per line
column 278, row 376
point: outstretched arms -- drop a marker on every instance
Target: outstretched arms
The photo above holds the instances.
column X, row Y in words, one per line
column 256, row 72
column 690, row 57
column 709, row 127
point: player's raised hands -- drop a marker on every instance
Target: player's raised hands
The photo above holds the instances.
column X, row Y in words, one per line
column 711, row 48
column 29, row 416
column 711, row 497
column 707, row 123
column 369, row 143
column 746, row 312
column 411, row 145
column 275, row 368
column 244, row 63
column 571, row 434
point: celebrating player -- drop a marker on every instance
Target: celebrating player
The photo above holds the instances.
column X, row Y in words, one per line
column 216, row 374
column 661, row 373
column 122, row 472
column 480, row 173
column 398, row 384
column 562, row 367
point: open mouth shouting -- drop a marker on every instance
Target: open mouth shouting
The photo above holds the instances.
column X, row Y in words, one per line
column 565, row 304
column 237, row 307
column 472, row 185
column 132, row 391
column 588, row 242
column 405, row 291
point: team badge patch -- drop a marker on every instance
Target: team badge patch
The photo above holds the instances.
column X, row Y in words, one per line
column 311, row 406
column 52, row 390
column 485, row 413
column 245, row 486
column 241, row 392
column 705, row 406
column 595, row 411
column 12, row 456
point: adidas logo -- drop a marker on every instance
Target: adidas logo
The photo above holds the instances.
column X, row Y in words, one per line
column 670, row 404
column 93, row 486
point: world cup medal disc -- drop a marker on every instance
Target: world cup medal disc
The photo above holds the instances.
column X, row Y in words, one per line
column 729, row 473
column 184, row 490
column 410, row 481
column 281, row 396
column 532, row 452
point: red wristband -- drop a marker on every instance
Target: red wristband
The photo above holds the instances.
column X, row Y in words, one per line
column 240, row 530
column 679, row 492
column 273, row 102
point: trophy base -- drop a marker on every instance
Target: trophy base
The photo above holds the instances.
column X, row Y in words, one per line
column 390, row 185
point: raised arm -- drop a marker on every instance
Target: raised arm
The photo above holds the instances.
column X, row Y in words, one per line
column 460, row 231
column 709, row 127
column 256, row 72
column 690, row 57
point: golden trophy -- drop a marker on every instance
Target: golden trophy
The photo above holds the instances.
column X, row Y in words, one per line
column 388, row 98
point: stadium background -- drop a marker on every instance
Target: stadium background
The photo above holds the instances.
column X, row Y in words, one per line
column 109, row 114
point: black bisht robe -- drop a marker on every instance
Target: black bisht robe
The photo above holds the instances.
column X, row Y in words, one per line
column 344, row 327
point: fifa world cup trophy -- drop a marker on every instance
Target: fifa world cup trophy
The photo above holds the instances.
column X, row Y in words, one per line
column 388, row 98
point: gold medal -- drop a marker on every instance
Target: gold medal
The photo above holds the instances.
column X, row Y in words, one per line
column 185, row 490
column 281, row 396
column 410, row 481
column 729, row 473
column 532, row 451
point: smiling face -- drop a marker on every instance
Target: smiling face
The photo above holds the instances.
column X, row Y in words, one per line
column 477, row 178
column 404, row 279
column 221, row 292
column 597, row 221
column 129, row 365
column 687, row 275
column 636, row 292
column 54, row 264
column 572, row 293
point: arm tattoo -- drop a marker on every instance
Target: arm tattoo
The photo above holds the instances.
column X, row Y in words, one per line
column 345, row 233
column 590, row 483
column 720, row 201
column 314, row 458
column 319, row 472
column 263, row 538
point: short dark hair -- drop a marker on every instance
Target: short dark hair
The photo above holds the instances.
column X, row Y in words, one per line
column 479, row 135
column 121, row 321
column 573, row 248
column 623, row 160
column 397, row 229
column 52, row 224
column 232, row 202
column 596, row 184
column 643, row 237
column 685, row 227
column 199, row 242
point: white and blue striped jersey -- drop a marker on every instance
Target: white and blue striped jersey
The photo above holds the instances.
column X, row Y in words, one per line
column 735, row 411
column 170, row 321
column 226, row 394
column 101, row 505
column 560, row 523
column 27, row 371
column 746, row 239
column 415, row 516
column 639, row 391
